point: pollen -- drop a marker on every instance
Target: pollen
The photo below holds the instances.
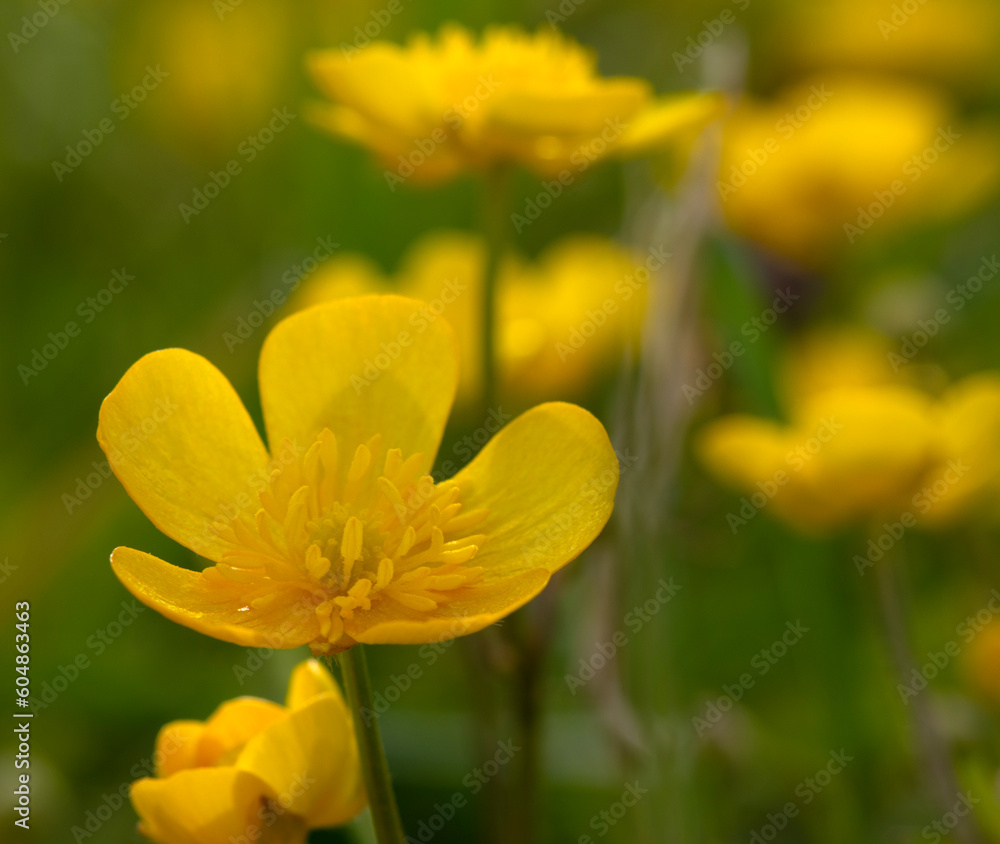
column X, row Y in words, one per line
column 344, row 537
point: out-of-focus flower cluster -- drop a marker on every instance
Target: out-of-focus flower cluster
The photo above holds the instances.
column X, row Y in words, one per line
column 861, row 445
column 563, row 320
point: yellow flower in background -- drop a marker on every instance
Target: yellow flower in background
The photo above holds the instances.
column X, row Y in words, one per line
column 444, row 105
column 860, row 444
column 956, row 42
column 562, row 320
column 967, row 475
column 834, row 358
column 256, row 770
column 224, row 69
column 339, row 534
column 838, row 161
column 981, row 659
column 847, row 454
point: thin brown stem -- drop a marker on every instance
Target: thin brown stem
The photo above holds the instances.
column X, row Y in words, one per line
column 936, row 765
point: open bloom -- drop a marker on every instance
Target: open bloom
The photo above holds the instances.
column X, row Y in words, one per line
column 255, row 770
column 220, row 82
column 859, row 446
column 441, row 106
column 954, row 42
column 339, row 534
column 840, row 160
column 562, row 320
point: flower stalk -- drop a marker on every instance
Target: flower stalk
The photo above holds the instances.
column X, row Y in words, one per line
column 374, row 767
column 494, row 223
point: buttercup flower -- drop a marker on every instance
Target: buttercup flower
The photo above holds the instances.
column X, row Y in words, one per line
column 255, row 770
column 339, row 535
column 981, row 659
column 858, row 446
column 563, row 319
column 956, row 42
column 839, row 160
column 221, row 81
column 441, row 106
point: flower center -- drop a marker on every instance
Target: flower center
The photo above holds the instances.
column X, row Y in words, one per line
column 347, row 536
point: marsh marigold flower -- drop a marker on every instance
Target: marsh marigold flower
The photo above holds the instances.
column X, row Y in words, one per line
column 255, row 770
column 955, row 42
column 563, row 319
column 840, row 160
column 981, row 659
column 859, row 446
column 224, row 71
column 339, row 534
column 442, row 106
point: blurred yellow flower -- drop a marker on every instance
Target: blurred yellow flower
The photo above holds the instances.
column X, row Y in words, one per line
column 442, row 106
column 860, row 445
column 813, row 172
column 562, row 320
column 956, row 41
column 967, row 423
column 224, row 69
column 255, row 770
column 836, row 357
column 847, row 454
column 981, row 661
column 339, row 535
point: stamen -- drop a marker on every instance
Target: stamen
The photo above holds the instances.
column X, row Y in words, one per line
column 406, row 543
column 385, row 573
column 415, row 602
column 350, row 545
column 388, row 489
column 393, row 462
column 343, row 542
column 316, row 564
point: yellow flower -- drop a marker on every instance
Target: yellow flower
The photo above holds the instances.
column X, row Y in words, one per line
column 981, row 662
column 847, row 454
column 836, row 357
column 339, row 534
column 966, row 475
column 862, row 445
column 441, row 106
column 255, row 770
column 841, row 160
column 222, row 76
column 562, row 319
column 955, row 41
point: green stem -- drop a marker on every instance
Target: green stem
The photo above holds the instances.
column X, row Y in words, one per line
column 375, row 769
column 494, row 222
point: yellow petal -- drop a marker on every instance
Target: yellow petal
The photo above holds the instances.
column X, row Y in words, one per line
column 743, row 450
column 231, row 726
column 379, row 83
column 216, row 608
column 360, row 367
column 964, row 477
column 177, row 747
column 387, row 144
column 664, row 119
column 199, row 806
column 548, row 480
column 309, row 680
column 584, row 114
column 183, row 446
column 309, row 759
column 882, row 442
column 473, row 609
